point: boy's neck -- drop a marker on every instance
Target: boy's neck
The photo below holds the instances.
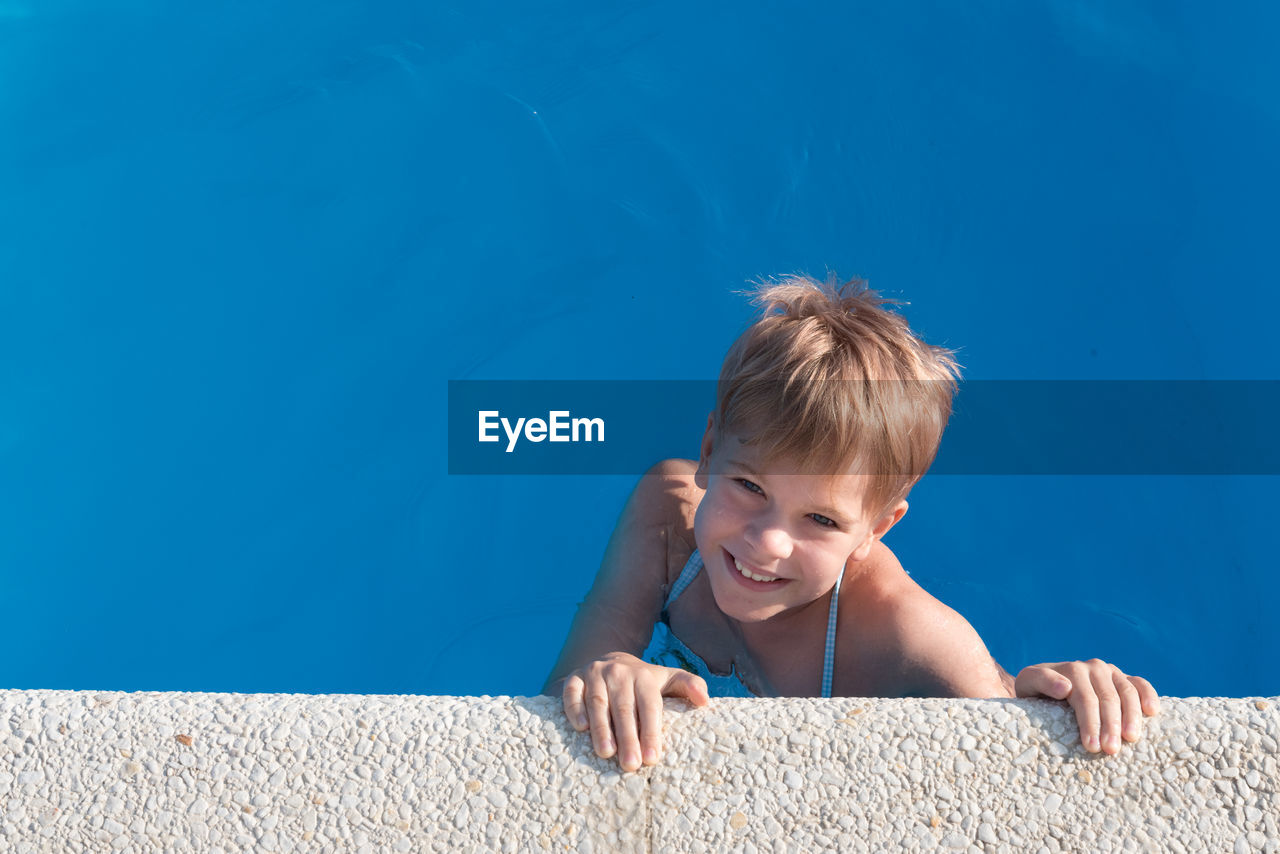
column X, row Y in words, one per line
column 764, row 639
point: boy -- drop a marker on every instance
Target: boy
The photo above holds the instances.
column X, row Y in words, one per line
column 736, row 575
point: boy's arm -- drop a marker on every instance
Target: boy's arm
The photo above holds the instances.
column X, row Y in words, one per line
column 943, row 656
column 940, row 654
column 626, row 598
column 603, row 684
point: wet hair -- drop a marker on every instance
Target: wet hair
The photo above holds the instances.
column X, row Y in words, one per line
column 828, row 378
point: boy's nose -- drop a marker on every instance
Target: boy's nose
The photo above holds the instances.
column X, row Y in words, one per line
column 769, row 541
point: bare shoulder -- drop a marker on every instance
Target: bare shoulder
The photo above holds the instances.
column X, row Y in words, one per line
column 674, row 467
column 654, row 533
column 668, row 496
column 915, row 644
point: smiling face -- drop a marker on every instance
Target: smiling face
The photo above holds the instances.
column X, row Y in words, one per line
column 775, row 543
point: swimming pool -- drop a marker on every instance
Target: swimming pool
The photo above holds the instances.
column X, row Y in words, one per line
column 244, row 250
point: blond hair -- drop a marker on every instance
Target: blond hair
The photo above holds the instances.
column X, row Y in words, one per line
column 828, row 379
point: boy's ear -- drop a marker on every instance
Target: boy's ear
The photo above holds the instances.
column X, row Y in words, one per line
column 704, row 454
column 881, row 527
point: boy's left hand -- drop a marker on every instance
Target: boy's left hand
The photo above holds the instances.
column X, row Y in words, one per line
column 1109, row 705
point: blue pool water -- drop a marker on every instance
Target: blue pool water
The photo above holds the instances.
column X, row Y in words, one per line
column 243, row 249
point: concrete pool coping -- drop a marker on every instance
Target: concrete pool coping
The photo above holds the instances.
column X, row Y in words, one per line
column 106, row 771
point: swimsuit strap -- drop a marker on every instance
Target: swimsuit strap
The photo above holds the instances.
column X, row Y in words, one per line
column 829, row 657
column 691, row 569
column 694, row 565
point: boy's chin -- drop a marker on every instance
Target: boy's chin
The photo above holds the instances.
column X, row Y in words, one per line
column 734, row 610
column 753, row 619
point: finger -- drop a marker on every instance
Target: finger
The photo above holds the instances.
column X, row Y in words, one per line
column 571, row 697
column 649, row 708
column 687, row 685
column 1085, row 702
column 622, row 707
column 1109, row 709
column 1150, row 699
column 596, row 699
column 1041, row 680
column 1130, row 707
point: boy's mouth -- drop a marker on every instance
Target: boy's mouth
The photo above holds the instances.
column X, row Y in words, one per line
column 745, row 575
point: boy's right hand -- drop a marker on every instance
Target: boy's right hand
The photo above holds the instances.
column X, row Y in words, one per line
column 611, row 693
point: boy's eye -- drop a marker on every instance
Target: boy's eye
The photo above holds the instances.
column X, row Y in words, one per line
column 749, row 486
column 823, row 520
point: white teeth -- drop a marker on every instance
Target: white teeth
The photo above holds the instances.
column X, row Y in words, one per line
column 749, row 574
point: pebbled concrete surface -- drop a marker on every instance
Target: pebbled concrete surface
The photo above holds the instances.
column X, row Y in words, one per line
column 92, row 771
